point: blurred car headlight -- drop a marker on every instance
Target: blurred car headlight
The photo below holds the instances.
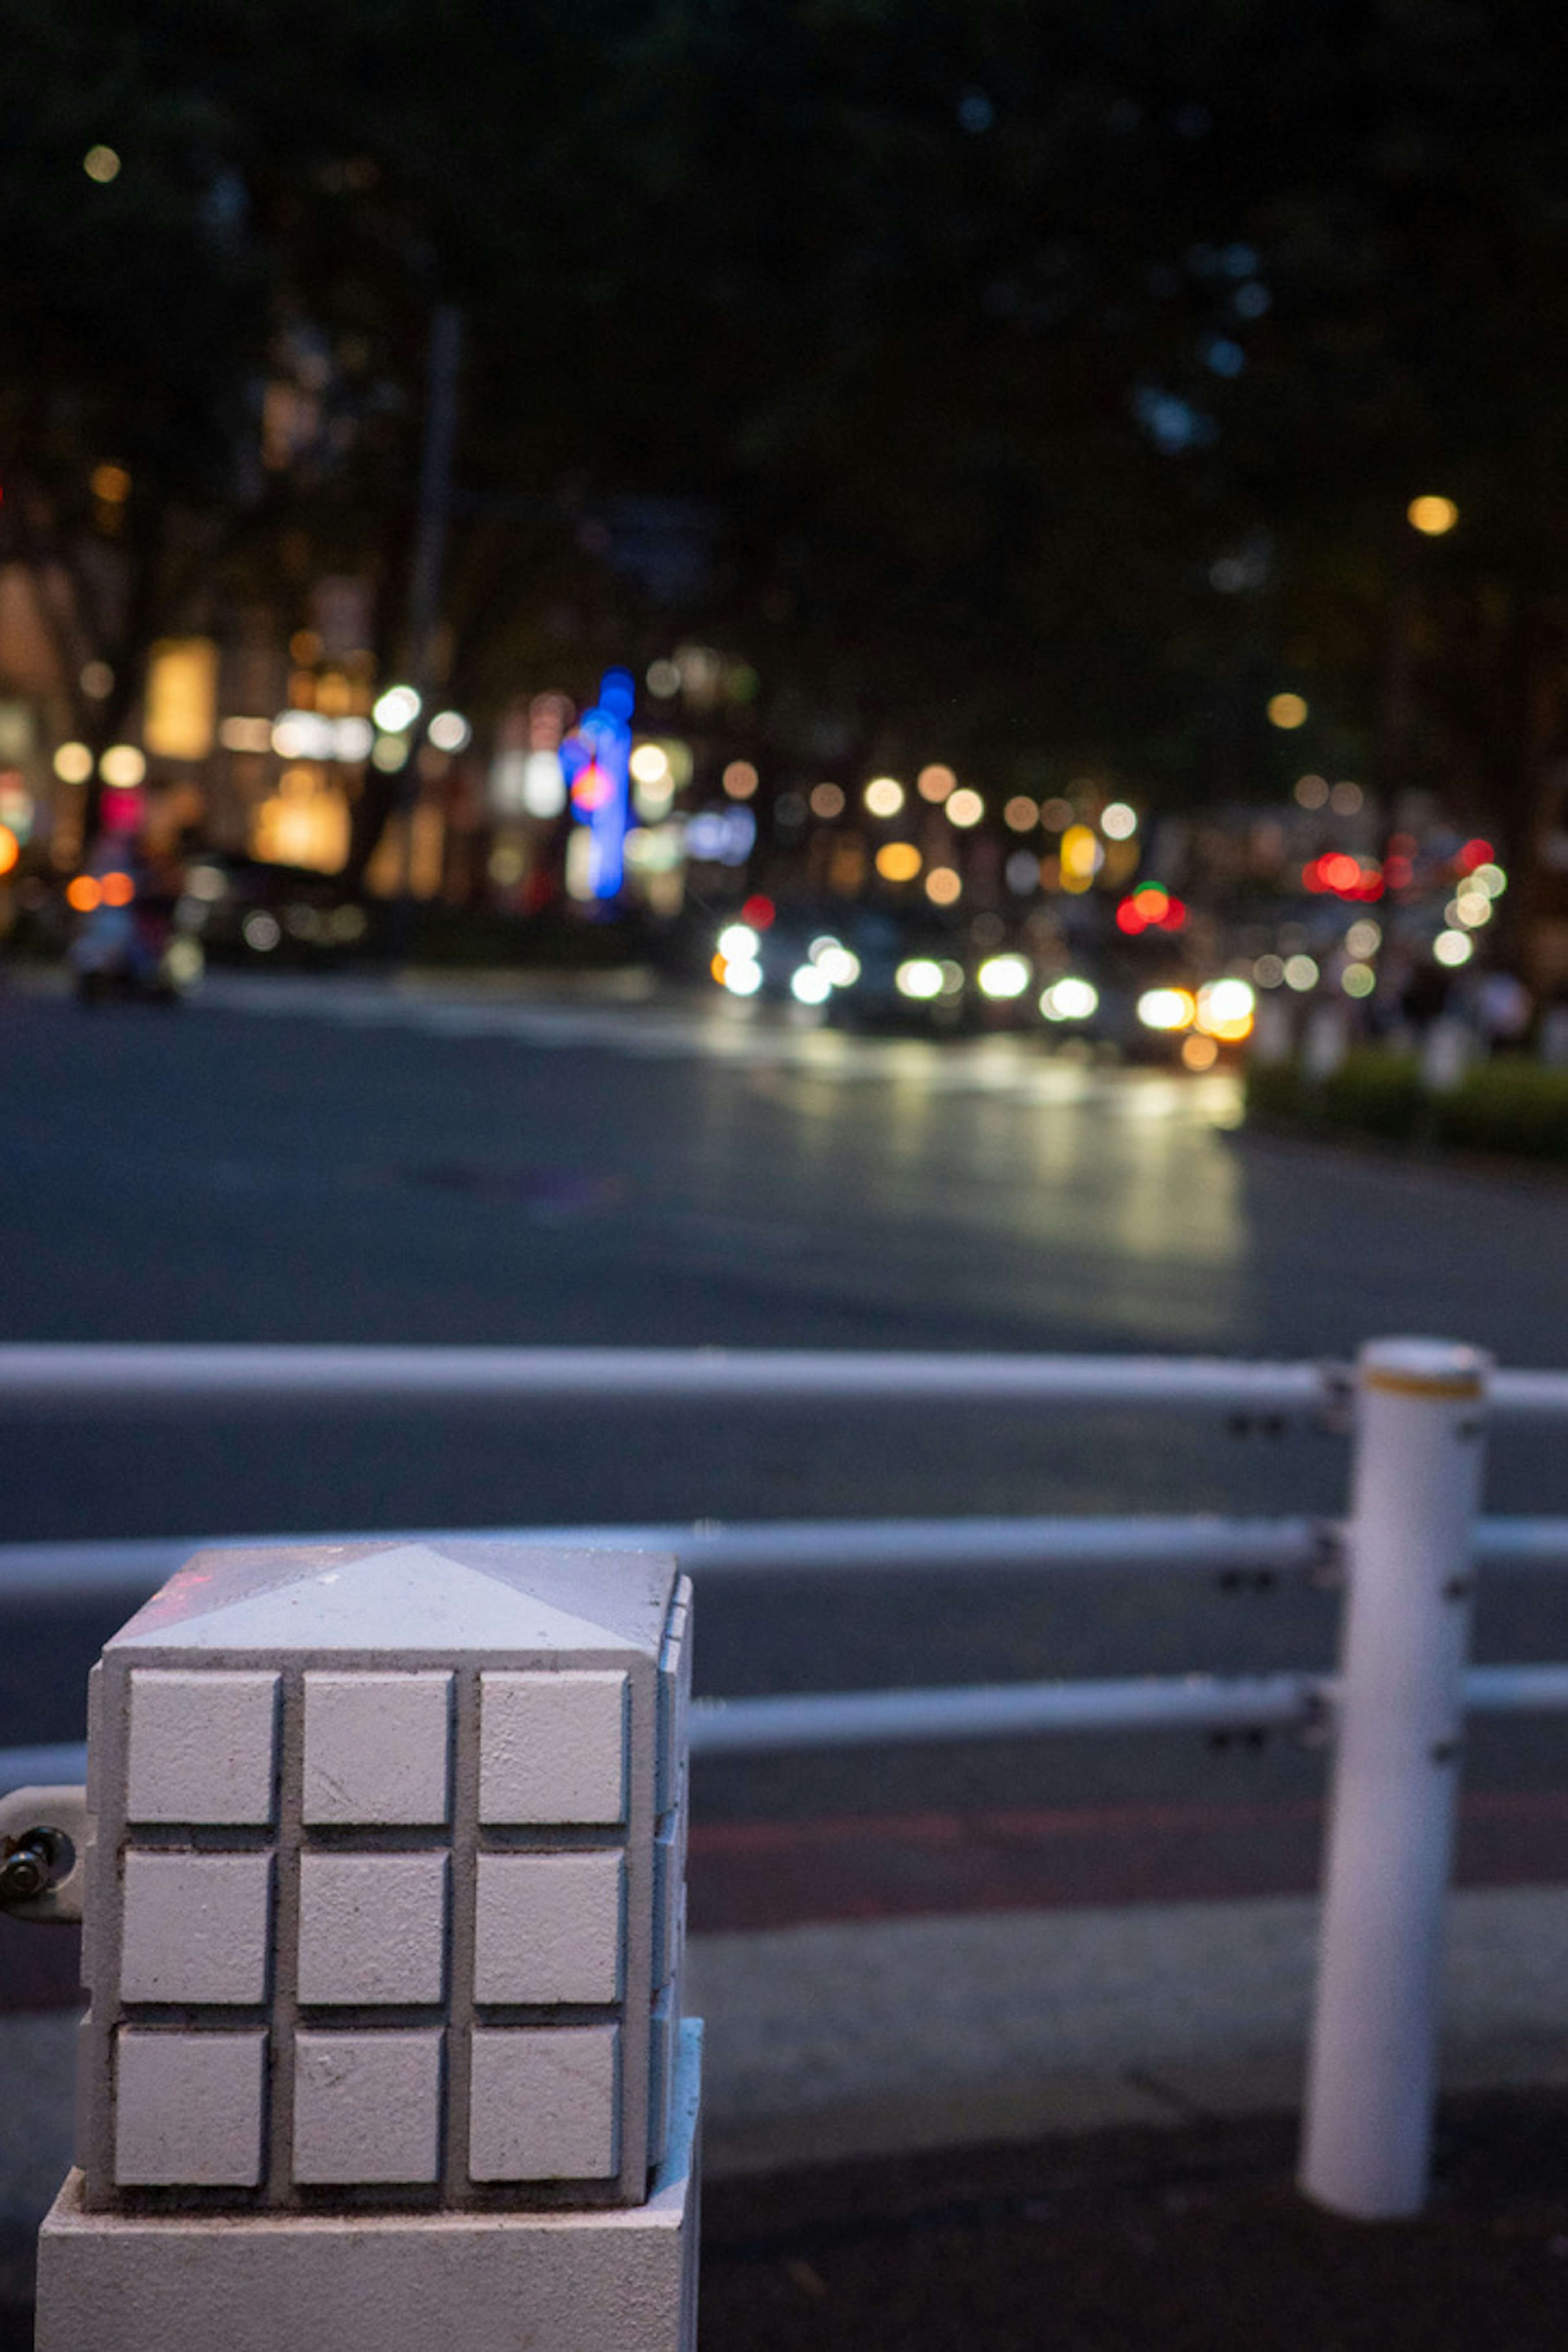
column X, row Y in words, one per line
column 1166, row 1009
column 1226, row 1008
column 810, row 984
column 1069, row 999
column 839, row 967
column 1003, row 976
column 920, row 978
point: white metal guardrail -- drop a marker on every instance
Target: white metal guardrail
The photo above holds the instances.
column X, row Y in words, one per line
column 1410, row 1548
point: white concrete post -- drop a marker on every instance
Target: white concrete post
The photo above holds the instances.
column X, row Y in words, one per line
column 1415, row 1495
column 383, row 1928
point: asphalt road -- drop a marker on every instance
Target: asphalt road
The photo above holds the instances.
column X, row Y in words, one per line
column 292, row 1161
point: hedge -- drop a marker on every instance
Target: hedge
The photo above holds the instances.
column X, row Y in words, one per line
column 1512, row 1105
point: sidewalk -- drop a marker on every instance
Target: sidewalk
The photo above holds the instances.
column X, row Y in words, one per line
column 1063, row 2128
column 1141, row 2239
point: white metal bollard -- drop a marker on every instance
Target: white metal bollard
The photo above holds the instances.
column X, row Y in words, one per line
column 1415, row 1495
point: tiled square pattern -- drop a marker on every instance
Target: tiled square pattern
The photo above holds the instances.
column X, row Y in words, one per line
column 201, row 1748
column 552, row 1748
column 197, row 1928
column 549, row 1927
column 543, row 2102
column 372, row 1928
column 377, row 1748
column 367, row 2107
column 188, row 2109
column 361, row 1927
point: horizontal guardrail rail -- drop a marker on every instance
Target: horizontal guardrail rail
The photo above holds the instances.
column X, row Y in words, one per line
column 875, row 1718
column 97, row 1375
column 749, row 1727
column 91, row 1570
column 1196, row 1545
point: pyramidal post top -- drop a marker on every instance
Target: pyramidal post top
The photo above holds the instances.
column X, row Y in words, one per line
column 394, row 1596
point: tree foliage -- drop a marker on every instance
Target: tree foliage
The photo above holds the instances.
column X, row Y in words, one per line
column 1039, row 385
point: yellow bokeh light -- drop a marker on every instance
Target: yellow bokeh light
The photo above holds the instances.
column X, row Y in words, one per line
column 1286, row 710
column 122, row 765
column 1432, row 516
column 181, row 698
column 935, row 783
column 111, row 484
column 965, row 807
column 1199, row 1053
column 101, row 163
column 1081, row 857
column 943, row 888
column 73, row 763
column 899, row 861
column 884, row 796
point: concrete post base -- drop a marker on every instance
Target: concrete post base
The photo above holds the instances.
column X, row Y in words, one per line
column 550, row 2281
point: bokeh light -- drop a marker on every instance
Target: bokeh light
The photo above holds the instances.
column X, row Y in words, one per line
column 920, row 978
column 1003, row 977
column 73, row 763
column 1432, row 516
column 1166, row 1009
column 1225, row 1010
column 123, row 766
column 398, row 707
column 650, row 764
column 451, row 731
column 1069, row 999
